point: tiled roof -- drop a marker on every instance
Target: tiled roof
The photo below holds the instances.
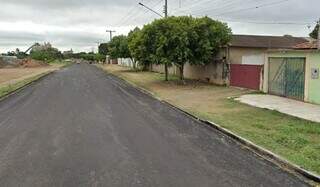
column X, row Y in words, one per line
column 257, row 41
column 307, row 45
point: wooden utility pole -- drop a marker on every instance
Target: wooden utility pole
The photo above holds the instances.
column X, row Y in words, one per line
column 110, row 32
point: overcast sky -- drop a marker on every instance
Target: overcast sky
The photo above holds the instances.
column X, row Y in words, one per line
column 81, row 24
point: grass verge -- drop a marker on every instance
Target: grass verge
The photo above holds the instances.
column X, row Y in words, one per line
column 61, row 63
column 292, row 138
column 7, row 89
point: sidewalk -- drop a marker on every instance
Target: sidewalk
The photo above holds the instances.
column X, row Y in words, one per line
column 291, row 107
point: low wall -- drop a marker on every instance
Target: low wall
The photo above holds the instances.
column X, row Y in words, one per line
column 215, row 72
column 127, row 62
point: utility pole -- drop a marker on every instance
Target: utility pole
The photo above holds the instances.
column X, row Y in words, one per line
column 166, row 8
column 166, row 15
column 110, row 32
column 165, row 11
column 318, row 41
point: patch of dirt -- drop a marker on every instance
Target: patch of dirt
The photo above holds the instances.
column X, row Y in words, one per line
column 24, row 63
column 30, row 63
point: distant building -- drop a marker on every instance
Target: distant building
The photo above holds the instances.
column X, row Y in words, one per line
column 70, row 52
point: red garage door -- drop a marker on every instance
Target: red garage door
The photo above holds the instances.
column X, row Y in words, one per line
column 245, row 76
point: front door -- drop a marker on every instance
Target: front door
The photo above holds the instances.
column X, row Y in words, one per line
column 287, row 77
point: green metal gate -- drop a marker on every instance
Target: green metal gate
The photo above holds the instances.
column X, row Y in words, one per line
column 287, row 77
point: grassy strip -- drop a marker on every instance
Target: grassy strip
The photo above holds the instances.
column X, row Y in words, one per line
column 61, row 63
column 294, row 139
column 7, row 89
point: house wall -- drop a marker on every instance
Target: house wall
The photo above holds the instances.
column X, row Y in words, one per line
column 215, row 72
column 212, row 72
column 312, row 86
column 237, row 55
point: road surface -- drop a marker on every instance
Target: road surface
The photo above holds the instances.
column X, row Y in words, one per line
column 81, row 127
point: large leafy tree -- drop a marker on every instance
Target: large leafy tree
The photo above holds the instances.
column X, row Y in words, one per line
column 45, row 53
column 134, row 45
column 118, row 47
column 178, row 40
column 103, row 49
column 142, row 45
column 314, row 33
column 184, row 39
column 210, row 36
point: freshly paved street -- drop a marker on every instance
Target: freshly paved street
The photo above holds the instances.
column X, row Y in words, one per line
column 81, row 127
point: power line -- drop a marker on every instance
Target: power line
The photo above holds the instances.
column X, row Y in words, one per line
column 270, row 23
column 150, row 9
column 256, row 7
column 192, row 5
column 226, row 6
column 142, row 11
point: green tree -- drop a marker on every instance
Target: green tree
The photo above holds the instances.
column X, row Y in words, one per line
column 314, row 33
column 211, row 35
column 118, row 47
column 46, row 54
column 103, row 48
column 163, row 42
column 142, row 45
column 134, row 45
column 184, row 39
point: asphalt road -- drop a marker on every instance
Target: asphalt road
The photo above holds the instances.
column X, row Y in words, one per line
column 81, row 127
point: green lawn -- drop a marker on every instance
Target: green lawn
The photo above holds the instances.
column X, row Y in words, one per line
column 294, row 139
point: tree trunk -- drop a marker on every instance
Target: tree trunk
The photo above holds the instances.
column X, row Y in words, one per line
column 166, row 71
column 133, row 63
column 181, row 68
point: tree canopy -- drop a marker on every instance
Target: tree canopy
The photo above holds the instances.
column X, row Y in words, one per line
column 179, row 40
column 45, row 52
column 314, row 33
column 172, row 41
column 118, row 47
column 104, row 49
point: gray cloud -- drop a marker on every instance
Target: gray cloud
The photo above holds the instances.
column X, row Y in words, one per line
column 82, row 23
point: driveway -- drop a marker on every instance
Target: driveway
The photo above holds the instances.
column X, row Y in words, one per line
column 291, row 107
column 81, row 127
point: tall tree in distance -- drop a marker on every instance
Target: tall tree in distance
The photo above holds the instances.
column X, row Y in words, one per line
column 118, row 47
column 103, row 49
column 314, row 33
column 134, row 45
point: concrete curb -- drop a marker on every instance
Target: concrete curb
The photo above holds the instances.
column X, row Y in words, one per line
column 294, row 169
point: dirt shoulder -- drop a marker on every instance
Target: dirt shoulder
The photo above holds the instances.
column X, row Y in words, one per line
column 12, row 79
column 292, row 138
column 11, row 75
